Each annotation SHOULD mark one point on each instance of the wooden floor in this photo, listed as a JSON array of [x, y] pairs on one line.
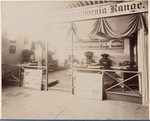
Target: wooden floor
[[20, 103], [64, 80]]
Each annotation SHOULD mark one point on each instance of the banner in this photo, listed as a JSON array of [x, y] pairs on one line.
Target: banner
[[100, 11], [97, 44]]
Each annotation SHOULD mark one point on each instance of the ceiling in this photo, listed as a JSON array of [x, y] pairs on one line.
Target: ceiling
[[59, 5]]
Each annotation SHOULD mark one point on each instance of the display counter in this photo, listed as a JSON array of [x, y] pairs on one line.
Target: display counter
[[107, 80], [100, 79]]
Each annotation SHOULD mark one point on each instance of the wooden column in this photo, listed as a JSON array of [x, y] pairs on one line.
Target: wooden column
[[20, 76], [132, 50], [46, 60], [72, 65], [143, 65]]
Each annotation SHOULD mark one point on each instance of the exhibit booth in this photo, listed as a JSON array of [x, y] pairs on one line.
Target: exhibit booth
[[109, 48], [93, 51]]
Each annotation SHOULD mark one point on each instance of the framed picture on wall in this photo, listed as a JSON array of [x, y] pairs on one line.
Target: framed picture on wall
[[26, 40], [12, 49]]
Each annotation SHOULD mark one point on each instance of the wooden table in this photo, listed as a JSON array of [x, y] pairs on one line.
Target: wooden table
[[20, 67]]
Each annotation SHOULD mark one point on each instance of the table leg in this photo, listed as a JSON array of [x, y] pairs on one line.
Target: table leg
[[20, 76]]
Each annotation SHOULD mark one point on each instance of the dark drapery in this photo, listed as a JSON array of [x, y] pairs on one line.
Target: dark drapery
[[117, 27]]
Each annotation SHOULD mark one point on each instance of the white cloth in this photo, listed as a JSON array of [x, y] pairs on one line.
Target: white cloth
[[38, 53]]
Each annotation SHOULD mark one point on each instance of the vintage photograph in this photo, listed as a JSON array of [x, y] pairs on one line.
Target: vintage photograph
[[75, 59], [12, 49]]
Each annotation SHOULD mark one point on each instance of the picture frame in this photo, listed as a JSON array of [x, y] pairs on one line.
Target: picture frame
[[26, 40], [12, 49]]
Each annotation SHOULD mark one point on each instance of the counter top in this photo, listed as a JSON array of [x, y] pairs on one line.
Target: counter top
[[24, 65], [103, 70]]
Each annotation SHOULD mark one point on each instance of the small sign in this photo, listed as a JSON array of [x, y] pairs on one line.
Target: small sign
[[33, 78], [112, 44], [89, 85]]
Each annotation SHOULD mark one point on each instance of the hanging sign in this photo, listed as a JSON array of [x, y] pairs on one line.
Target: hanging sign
[[100, 11], [33, 78], [97, 44]]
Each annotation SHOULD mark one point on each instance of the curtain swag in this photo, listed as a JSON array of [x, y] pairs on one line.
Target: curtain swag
[[130, 25], [114, 27]]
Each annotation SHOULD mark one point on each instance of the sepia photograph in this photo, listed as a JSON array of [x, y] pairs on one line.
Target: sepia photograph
[[75, 60], [12, 49]]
